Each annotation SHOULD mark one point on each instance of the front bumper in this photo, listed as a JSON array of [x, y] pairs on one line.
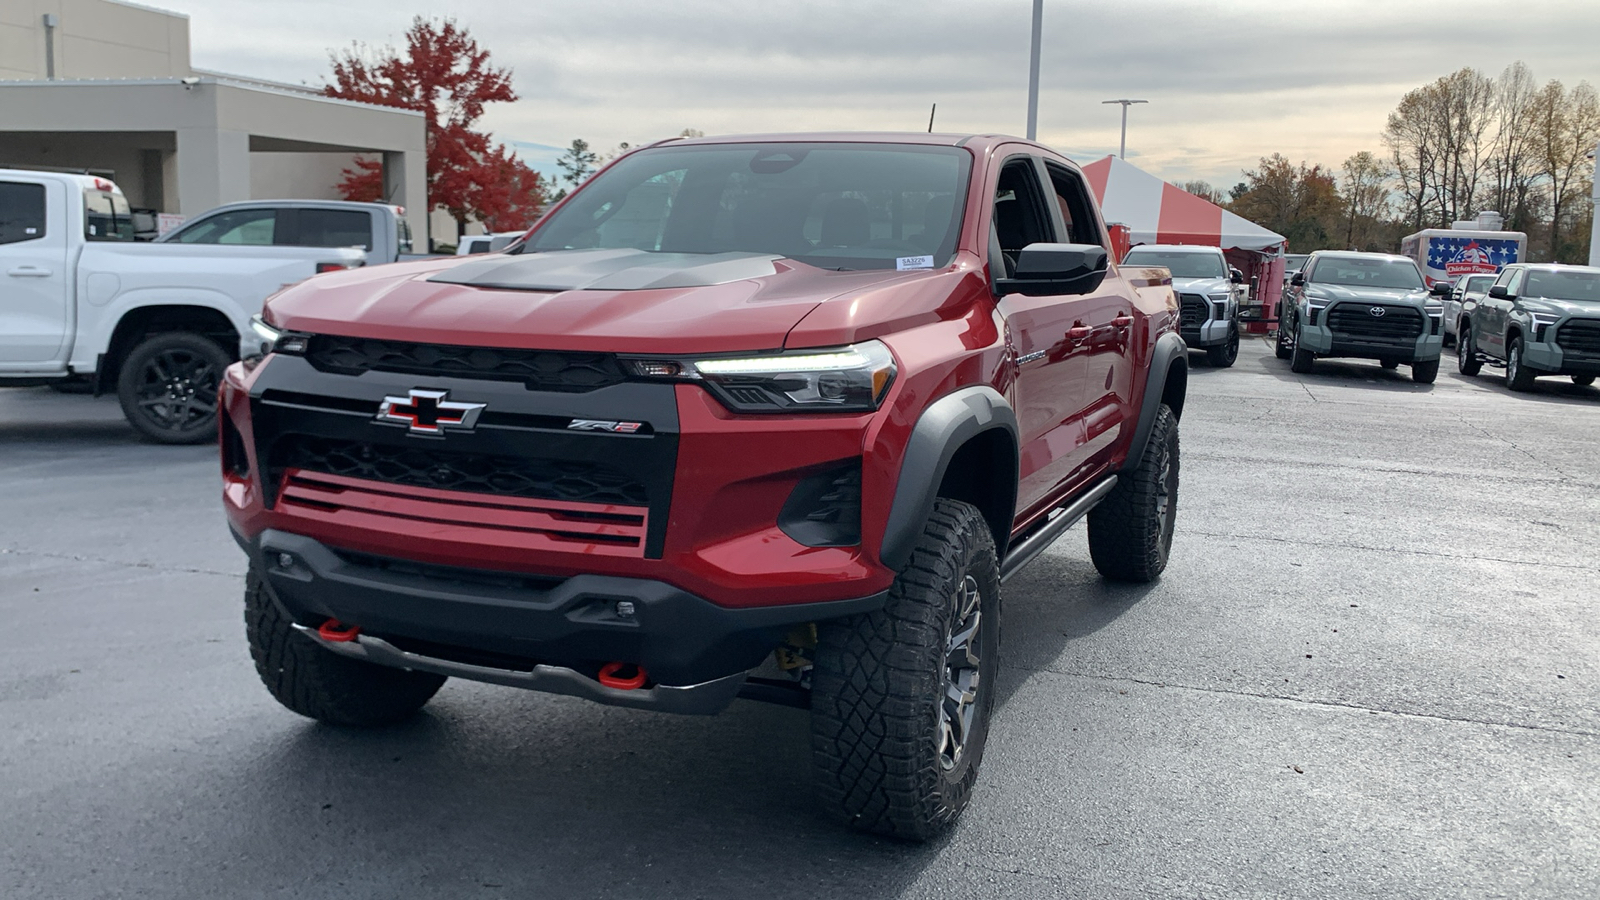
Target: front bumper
[[1210, 333], [1324, 341], [1551, 359], [515, 629]]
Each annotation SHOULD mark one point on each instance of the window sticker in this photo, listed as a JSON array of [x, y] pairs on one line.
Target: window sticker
[[913, 262]]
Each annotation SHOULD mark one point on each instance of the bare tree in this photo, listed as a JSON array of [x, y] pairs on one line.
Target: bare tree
[[1202, 189], [1512, 179], [1366, 198], [1564, 128], [1438, 137]]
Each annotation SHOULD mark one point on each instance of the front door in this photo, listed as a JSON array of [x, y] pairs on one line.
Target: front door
[[35, 282], [1492, 313], [1049, 337]]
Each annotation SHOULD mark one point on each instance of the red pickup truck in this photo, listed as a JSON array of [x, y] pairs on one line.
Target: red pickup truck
[[769, 417]]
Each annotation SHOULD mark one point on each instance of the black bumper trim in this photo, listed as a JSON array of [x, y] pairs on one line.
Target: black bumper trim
[[679, 638]]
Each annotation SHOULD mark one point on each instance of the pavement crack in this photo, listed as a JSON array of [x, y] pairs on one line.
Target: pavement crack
[[1310, 701], [1404, 550], [84, 558]]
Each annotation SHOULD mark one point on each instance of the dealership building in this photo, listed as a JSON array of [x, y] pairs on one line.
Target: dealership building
[[106, 87]]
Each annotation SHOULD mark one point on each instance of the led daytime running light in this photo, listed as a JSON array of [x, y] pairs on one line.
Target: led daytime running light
[[816, 362]]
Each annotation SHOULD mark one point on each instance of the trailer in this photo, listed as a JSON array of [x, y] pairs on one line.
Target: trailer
[[1465, 248]]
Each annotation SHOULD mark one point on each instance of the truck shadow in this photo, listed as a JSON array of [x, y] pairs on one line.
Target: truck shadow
[[554, 796], [1549, 389]]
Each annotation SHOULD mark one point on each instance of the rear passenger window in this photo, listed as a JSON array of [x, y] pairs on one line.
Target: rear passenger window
[[21, 212], [335, 228], [252, 227], [1073, 200]]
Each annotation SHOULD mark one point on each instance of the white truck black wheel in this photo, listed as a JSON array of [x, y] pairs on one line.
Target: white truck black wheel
[[168, 387]]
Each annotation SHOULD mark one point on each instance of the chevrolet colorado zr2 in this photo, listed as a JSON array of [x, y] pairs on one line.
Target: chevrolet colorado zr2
[[771, 417]]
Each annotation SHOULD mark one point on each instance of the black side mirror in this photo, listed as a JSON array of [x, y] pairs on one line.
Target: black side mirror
[[1298, 279], [1235, 276], [1499, 293], [1441, 289], [1045, 269]]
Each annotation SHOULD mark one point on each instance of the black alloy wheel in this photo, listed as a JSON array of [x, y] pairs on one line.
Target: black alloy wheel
[[168, 387], [1224, 355]]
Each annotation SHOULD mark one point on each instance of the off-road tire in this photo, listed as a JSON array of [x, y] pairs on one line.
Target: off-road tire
[[1130, 531], [1467, 361], [1302, 360], [1226, 354], [1583, 380], [168, 387], [880, 682], [319, 684], [1425, 372], [1518, 376]]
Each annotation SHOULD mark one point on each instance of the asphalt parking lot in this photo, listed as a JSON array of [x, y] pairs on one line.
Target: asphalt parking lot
[[1371, 670]]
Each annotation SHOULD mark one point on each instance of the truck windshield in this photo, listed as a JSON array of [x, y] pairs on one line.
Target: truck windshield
[[836, 206], [1400, 274], [106, 216], [1583, 286], [1183, 265]]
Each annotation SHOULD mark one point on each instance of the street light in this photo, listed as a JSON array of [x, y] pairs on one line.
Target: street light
[[1123, 153], [1033, 72]]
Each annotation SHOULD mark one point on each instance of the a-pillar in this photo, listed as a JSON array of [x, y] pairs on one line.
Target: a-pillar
[[405, 183], [213, 169]]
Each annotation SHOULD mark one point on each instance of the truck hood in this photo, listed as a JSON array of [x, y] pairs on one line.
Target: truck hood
[[1202, 285], [597, 300], [1563, 307], [1339, 292]]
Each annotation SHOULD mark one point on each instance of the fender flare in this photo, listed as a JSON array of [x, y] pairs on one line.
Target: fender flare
[[943, 428], [1169, 350]]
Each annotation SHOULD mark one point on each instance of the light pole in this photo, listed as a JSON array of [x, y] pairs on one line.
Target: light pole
[[1123, 153], [1033, 72]]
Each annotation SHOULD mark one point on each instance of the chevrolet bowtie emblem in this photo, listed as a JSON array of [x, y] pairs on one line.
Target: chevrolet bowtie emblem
[[429, 412]]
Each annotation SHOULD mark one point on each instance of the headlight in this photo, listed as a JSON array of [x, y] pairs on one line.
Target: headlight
[[849, 379], [1221, 298], [1314, 306], [1434, 308], [276, 340], [1542, 323]]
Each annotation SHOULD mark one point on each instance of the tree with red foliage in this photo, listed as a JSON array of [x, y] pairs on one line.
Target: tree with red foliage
[[446, 76]]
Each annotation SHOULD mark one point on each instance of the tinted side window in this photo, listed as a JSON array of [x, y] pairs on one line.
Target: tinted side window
[[254, 227], [21, 212], [335, 228], [1073, 200], [1515, 286]]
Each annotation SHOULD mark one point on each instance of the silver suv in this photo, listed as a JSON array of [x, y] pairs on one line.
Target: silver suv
[[1209, 293]]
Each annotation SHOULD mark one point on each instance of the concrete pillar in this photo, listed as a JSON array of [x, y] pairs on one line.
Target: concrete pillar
[[213, 169], [405, 183]]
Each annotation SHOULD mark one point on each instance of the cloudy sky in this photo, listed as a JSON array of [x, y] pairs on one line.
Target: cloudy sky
[[1228, 80]]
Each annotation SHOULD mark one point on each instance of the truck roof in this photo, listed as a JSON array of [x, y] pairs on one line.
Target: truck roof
[[1178, 248], [977, 142], [82, 180]]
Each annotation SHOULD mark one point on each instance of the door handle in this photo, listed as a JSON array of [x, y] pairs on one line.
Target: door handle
[[1122, 321], [1079, 332], [28, 272]]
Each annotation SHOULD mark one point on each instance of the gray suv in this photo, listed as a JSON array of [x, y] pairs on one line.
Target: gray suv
[[1364, 305], [1538, 319], [1209, 293]]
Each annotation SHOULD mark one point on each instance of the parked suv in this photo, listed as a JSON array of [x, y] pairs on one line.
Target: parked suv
[[1209, 293], [770, 417], [1538, 319], [1365, 305]]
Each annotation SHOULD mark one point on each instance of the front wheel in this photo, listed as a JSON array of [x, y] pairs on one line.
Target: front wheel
[[319, 684], [1583, 380], [1281, 349], [168, 387], [1518, 376], [1425, 372], [1224, 355], [1467, 361], [1130, 531], [901, 697], [1302, 360]]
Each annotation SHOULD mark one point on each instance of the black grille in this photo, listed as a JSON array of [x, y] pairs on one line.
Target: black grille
[[1355, 320], [576, 481], [1192, 311], [1580, 337], [544, 370]]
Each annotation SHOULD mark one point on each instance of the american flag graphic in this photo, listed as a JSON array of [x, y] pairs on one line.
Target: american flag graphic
[[1450, 257]]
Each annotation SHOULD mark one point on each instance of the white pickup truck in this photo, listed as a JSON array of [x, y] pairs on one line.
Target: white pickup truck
[[157, 323], [378, 228]]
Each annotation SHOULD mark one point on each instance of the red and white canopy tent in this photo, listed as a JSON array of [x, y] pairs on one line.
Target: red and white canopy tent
[[1155, 212]]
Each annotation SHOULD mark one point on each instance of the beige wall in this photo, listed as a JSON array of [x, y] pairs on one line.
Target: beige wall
[[93, 39], [297, 176]]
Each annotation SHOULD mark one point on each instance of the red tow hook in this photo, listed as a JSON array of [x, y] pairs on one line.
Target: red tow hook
[[337, 632], [611, 675]]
